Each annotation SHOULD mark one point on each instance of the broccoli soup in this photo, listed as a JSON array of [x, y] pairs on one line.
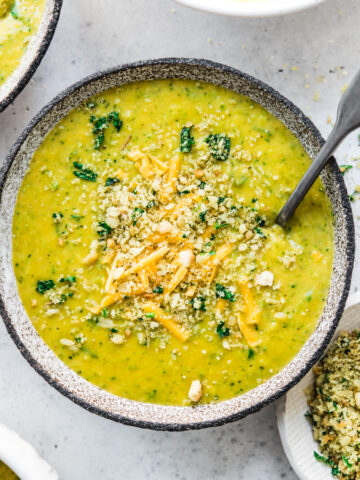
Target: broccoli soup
[[19, 20], [5, 472], [145, 248]]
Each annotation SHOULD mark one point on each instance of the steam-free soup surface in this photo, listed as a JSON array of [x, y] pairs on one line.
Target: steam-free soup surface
[[145, 248], [19, 21]]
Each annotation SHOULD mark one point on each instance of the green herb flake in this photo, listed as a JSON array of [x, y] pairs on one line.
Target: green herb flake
[[111, 181], [186, 140], [70, 279], [348, 464], [84, 173], [222, 331], [345, 168], [43, 285], [114, 118], [219, 145], [202, 216], [222, 292], [199, 303], [158, 289], [104, 229]]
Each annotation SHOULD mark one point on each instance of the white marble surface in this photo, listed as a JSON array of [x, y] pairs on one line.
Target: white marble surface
[[294, 54]]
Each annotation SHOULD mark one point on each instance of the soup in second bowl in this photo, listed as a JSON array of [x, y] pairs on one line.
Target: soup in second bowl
[[19, 21]]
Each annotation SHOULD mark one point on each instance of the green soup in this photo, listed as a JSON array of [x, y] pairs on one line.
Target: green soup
[[145, 248], [19, 21]]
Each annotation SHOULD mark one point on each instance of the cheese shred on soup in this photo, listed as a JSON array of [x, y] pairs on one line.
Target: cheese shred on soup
[[145, 248]]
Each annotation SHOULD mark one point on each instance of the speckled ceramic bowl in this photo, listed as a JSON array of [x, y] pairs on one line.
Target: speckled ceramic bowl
[[36, 50], [143, 414]]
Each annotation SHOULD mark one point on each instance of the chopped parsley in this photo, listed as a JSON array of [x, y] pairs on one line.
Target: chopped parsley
[[219, 145], [136, 214], [198, 303], [43, 285], [101, 124], [114, 118], [222, 292], [222, 331], [221, 225], [104, 229], [345, 168], [202, 216], [111, 181], [158, 289], [251, 353], [335, 469], [186, 140], [70, 279], [84, 173]]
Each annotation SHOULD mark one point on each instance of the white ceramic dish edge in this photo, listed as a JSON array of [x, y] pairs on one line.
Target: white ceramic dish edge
[[22, 458], [295, 430], [250, 8]]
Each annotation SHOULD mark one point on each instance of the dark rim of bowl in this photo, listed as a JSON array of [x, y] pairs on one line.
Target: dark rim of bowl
[[350, 248], [31, 69]]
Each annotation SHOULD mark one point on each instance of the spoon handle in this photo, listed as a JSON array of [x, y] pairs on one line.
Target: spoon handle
[[348, 118]]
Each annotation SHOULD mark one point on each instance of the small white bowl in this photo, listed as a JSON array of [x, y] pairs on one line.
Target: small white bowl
[[250, 8], [295, 430], [22, 458]]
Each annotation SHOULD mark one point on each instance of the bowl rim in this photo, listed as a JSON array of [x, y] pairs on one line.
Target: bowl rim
[[255, 8], [304, 367], [33, 64], [28, 465]]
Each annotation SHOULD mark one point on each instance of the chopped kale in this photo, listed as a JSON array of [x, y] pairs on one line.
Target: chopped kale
[[43, 285], [84, 173], [186, 140], [198, 303], [184, 192], [101, 124], [221, 225], [114, 118], [310, 417], [222, 331], [259, 232], [136, 214], [111, 181], [222, 292], [77, 217], [348, 464], [104, 229], [202, 185], [158, 289], [219, 145], [70, 279], [202, 216]]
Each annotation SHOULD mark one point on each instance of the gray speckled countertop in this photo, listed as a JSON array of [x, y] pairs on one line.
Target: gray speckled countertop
[[309, 57]]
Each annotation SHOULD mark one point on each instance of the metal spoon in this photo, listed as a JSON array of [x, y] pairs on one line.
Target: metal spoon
[[348, 119]]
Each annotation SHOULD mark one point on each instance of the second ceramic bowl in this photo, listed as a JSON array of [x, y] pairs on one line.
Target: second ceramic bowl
[[251, 8], [144, 414], [35, 52]]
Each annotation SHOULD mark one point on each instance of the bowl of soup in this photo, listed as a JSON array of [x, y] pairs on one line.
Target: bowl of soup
[[143, 273], [26, 29], [251, 8]]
